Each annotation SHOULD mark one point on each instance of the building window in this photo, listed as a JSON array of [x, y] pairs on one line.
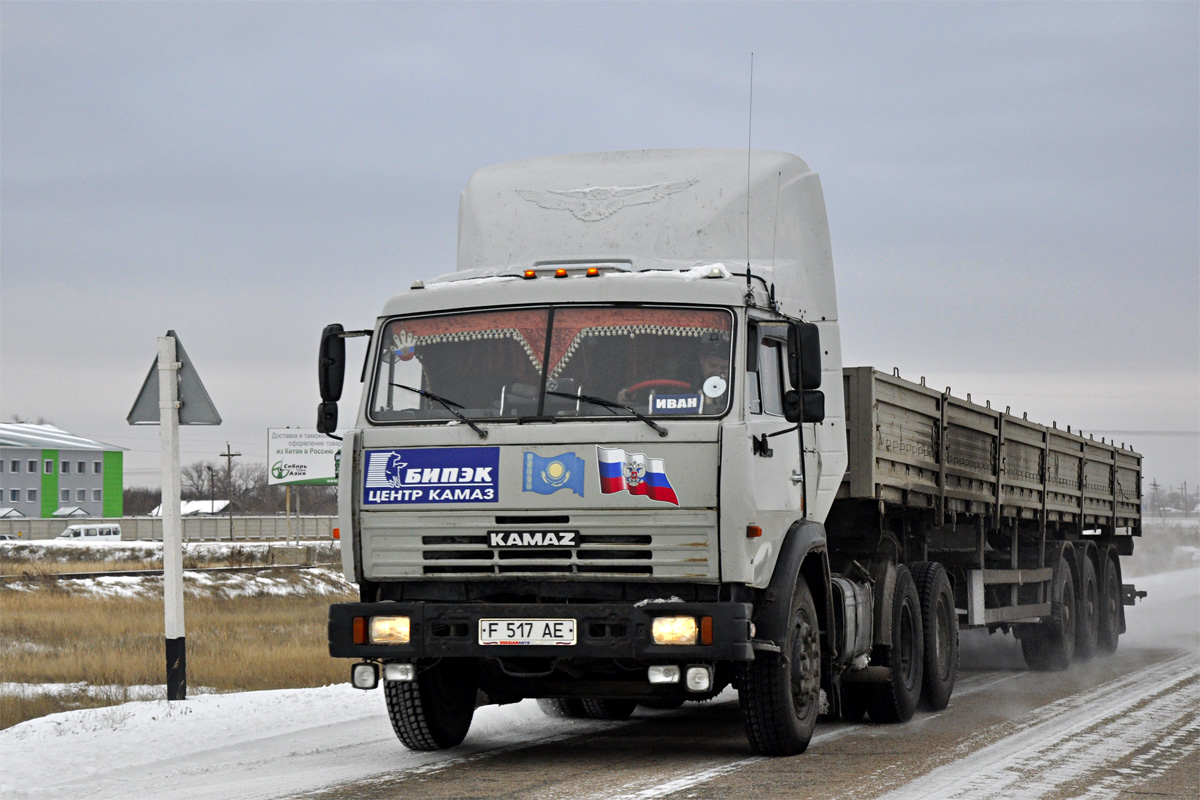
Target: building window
[[96, 467], [49, 466], [81, 467], [15, 466], [33, 466], [66, 468], [31, 495], [81, 495], [14, 495], [96, 496], [64, 495]]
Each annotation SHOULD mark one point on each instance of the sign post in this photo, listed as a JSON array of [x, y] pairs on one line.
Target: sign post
[[172, 378]]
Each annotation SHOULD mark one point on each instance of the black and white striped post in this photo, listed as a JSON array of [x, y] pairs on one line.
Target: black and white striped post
[[168, 407], [173, 395]]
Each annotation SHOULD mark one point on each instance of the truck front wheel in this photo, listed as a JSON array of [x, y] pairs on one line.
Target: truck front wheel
[[434, 711], [780, 694]]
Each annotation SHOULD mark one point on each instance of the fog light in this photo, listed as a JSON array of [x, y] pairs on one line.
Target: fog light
[[666, 673], [389, 630], [364, 675], [699, 678], [674, 630], [403, 673]]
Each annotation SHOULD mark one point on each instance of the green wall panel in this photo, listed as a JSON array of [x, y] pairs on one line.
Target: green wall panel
[[49, 483], [114, 484]]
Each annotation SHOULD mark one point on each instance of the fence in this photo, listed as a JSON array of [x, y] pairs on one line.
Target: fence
[[195, 528]]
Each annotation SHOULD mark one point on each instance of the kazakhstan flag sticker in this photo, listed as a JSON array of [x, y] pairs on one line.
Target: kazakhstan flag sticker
[[548, 475]]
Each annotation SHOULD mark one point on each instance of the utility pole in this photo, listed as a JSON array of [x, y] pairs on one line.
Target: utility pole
[[1154, 498], [229, 455], [212, 497]]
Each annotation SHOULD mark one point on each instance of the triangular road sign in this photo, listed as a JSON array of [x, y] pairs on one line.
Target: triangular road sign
[[195, 406]]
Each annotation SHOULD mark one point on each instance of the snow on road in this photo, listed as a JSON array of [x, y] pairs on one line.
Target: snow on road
[[283, 743]]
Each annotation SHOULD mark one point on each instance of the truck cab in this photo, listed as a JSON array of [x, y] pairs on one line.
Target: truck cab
[[591, 466]]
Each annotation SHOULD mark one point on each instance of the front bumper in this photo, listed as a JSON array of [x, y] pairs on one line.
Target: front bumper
[[603, 630]]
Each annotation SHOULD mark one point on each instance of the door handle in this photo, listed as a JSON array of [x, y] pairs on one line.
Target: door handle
[[797, 476]]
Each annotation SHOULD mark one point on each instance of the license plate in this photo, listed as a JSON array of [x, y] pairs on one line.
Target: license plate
[[527, 631]]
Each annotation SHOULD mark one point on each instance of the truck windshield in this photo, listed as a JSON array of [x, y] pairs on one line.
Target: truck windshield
[[657, 361]]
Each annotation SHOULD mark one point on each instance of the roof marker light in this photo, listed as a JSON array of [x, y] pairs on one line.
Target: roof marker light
[[560, 273], [593, 272], [530, 274]]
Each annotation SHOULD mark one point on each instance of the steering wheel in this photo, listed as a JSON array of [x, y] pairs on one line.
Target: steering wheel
[[658, 383]]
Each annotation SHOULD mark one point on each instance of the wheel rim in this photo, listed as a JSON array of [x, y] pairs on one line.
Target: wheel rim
[[908, 662], [941, 643], [806, 666]]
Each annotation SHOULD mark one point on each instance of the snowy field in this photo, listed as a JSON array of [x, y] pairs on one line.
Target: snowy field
[[285, 743]]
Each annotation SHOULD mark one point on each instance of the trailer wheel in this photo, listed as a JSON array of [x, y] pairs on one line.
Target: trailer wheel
[[940, 623], [1088, 618], [1109, 627], [1050, 646], [434, 711], [896, 700], [608, 709], [562, 707], [780, 695]]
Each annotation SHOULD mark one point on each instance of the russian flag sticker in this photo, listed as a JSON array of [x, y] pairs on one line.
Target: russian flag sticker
[[635, 473]]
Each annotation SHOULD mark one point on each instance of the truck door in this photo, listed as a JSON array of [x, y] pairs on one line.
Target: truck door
[[777, 478]]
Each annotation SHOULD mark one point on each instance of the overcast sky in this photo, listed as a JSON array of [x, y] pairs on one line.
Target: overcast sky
[[1013, 189]]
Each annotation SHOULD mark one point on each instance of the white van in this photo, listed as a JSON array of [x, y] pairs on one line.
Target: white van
[[92, 533]]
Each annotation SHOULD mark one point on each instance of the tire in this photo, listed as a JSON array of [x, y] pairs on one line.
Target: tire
[[940, 638], [780, 694], [1051, 646], [896, 700], [1108, 629], [434, 711], [608, 709], [1087, 619], [562, 707]]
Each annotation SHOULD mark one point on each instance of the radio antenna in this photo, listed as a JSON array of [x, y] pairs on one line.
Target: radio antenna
[[749, 142]]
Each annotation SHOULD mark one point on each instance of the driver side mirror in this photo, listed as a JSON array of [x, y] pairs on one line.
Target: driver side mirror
[[804, 356], [331, 375]]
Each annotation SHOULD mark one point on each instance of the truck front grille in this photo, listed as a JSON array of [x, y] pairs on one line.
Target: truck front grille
[[682, 544]]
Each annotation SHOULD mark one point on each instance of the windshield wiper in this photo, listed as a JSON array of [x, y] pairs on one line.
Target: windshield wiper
[[611, 406], [449, 405]]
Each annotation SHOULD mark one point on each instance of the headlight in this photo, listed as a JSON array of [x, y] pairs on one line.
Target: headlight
[[674, 630], [389, 630]]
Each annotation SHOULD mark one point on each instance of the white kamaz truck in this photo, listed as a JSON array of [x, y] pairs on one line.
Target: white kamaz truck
[[615, 459]]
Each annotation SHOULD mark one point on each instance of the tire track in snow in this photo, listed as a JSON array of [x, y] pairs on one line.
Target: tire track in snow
[[1150, 716], [640, 790]]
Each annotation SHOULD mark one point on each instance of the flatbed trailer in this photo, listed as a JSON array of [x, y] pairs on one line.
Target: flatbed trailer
[[1003, 503]]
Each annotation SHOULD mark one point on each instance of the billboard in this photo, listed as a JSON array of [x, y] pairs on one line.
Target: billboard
[[299, 456]]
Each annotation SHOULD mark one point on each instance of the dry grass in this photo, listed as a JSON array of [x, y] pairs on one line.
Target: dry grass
[[51, 635]]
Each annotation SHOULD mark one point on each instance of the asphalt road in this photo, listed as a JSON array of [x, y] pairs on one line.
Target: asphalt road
[[1123, 726]]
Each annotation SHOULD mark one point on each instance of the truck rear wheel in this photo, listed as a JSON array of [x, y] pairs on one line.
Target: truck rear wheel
[[940, 623], [434, 711], [608, 709], [1050, 646], [562, 707], [896, 700], [1087, 620], [780, 694], [1109, 627]]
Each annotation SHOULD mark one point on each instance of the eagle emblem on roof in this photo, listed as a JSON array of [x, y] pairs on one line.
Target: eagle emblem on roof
[[598, 202]]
